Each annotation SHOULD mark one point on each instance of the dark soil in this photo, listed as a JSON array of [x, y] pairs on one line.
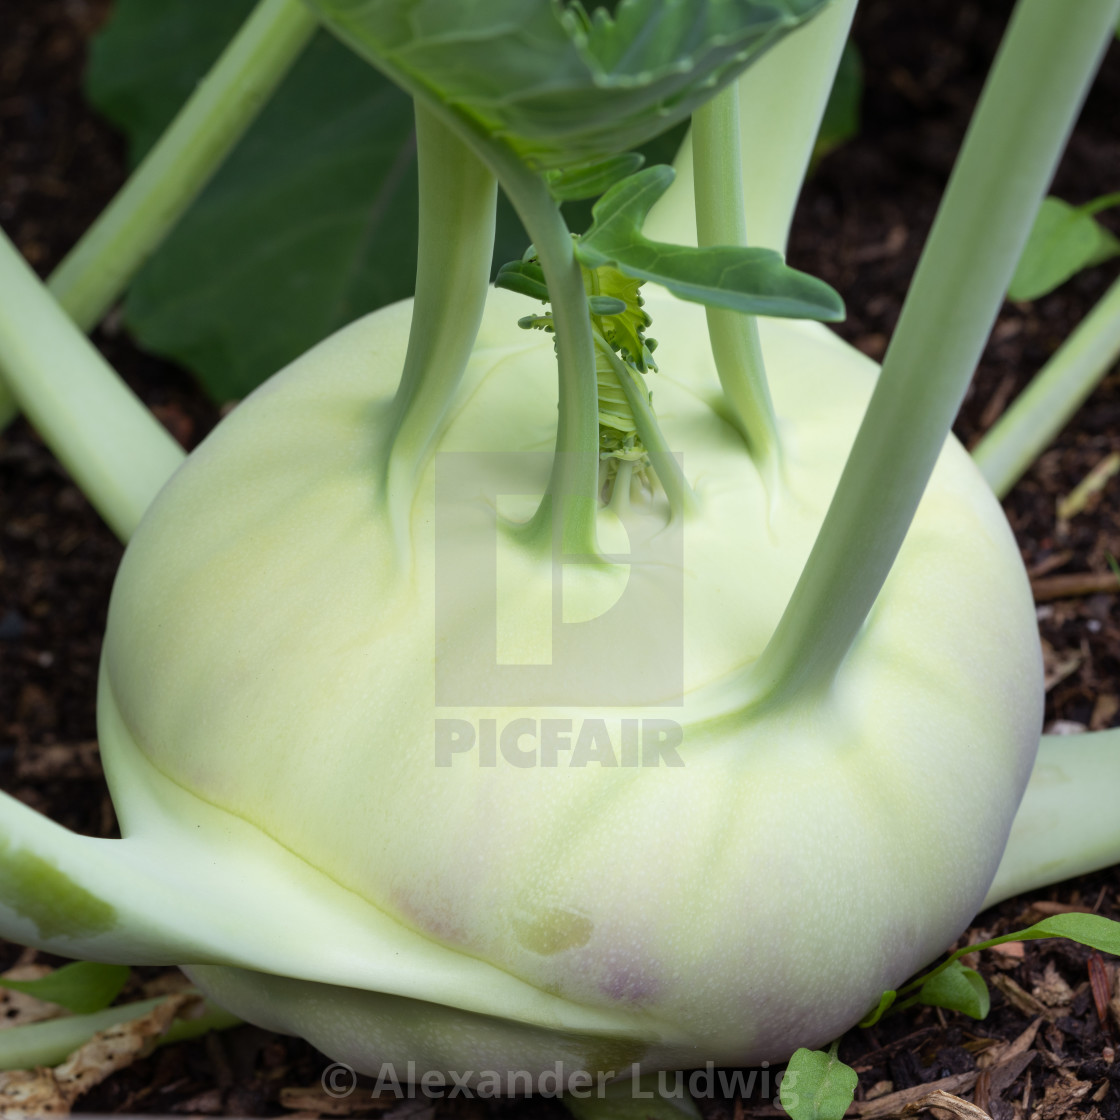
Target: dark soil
[[861, 225]]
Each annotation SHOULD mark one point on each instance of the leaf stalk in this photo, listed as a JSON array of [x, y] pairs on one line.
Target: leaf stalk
[[1030, 101], [98, 269], [458, 199], [1057, 391], [666, 465], [721, 220], [575, 468], [117, 452]]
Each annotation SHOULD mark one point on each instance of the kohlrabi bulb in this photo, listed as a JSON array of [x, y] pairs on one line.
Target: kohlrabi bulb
[[657, 876]]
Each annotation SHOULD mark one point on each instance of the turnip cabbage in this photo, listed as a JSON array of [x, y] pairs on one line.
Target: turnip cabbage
[[672, 726]]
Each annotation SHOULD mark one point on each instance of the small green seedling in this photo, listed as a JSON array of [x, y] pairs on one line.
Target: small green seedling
[[828, 1086]]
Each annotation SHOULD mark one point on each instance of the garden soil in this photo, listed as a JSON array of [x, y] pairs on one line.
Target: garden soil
[[1047, 1050]]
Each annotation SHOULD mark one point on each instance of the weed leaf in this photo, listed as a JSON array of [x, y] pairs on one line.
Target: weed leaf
[[957, 988], [817, 1085], [1063, 240], [886, 1001]]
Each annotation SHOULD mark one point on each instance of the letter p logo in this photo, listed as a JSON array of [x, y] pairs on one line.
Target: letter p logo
[[524, 626]]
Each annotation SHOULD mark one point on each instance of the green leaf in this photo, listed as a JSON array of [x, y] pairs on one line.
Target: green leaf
[[1093, 930], [957, 988], [631, 1098], [50, 1043], [1063, 240], [661, 149], [589, 180], [886, 1000], [82, 987], [135, 81], [524, 277], [841, 115], [756, 281], [606, 305], [817, 1085], [310, 223], [559, 86]]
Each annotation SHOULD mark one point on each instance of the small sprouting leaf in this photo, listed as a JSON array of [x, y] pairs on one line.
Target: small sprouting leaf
[[756, 281], [886, 1000], [957, 988], [626, 329], [82, 987], [559, 86], [589, 180], [605, 305], [524, 277], [1093, 930], [1063, 240], [817, 1085]]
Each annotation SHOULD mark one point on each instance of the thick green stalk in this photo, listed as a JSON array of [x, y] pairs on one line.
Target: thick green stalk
[[1067, 824], [175, 171], [116, 451], [51, 1042], [1053, 396], [574, 481], [782, 98], [721, 220], [1030, 101], [458, 198]]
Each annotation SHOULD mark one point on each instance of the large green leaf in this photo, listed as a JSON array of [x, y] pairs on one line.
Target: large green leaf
[[311, 222], [562, 87], [755, 281], [137, 79]]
